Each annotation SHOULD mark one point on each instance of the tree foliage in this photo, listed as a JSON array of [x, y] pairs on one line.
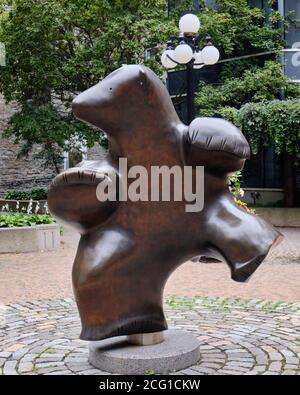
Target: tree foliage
[[255, 85], [53, 131], [235, 26], [239, 30], [56, 48], [250, 92]]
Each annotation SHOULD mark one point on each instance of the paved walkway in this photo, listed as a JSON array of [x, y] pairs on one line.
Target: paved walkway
[[47, 275], [237, 337]]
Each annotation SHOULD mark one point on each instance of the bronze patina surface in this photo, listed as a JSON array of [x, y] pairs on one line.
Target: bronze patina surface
[[129, 249]]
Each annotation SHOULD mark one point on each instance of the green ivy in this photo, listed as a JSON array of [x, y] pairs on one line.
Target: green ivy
[[12, 220], [274, 123]]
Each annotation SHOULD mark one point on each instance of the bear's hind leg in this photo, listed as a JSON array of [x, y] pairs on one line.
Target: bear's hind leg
[[115, 295], [243, 240]]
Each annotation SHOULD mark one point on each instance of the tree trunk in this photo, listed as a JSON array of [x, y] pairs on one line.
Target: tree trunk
[[289, 174]]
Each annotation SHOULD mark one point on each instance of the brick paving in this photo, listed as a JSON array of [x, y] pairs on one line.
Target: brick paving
[[47, 275], [249, 329], [237, 337]]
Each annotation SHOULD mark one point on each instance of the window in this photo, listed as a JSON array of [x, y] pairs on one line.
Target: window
[[256, 3], [176, 83], [292, 36], [263, 171], [75, 156]]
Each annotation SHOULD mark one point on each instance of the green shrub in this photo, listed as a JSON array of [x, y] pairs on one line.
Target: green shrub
[[35, 194], [19, 220]]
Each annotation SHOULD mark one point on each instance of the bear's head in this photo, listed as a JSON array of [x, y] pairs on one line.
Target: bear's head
[[130, 97]]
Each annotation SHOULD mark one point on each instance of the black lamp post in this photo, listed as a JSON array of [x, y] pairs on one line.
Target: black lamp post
[[185, 49]]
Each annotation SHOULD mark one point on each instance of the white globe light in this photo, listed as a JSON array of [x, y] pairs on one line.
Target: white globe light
[[198, 64], [210, 55], [189, 23], [166, 61], [183, 53]]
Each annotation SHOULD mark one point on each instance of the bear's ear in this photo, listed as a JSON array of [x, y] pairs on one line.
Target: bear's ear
[[144, 78], [145, 82]]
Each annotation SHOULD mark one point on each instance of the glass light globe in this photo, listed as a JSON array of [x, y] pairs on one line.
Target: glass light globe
[[183, 53], [189, 23], [210, 55], [167, 62], [198, 64]]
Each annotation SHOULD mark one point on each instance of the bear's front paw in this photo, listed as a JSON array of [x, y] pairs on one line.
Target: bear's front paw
[[72, 198]]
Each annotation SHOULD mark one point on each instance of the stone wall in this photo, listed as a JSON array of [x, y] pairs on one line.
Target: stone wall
[[96, 153], [19, 174]]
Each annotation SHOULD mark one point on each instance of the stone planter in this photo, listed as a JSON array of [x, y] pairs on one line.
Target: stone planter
[[29, 238], [285, 217], [23, 204]]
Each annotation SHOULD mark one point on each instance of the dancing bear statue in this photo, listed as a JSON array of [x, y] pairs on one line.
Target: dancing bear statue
[[128, 249]]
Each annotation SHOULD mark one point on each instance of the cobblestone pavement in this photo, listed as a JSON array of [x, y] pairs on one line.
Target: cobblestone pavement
[[47, 275], [289, 249], [236, 336]]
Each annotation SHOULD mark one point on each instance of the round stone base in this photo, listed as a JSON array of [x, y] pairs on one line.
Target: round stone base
[[178, 351]]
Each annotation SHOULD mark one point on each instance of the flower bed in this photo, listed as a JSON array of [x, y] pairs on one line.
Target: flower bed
[[24, 206], [20, 232], [19, 220], [34, 201]]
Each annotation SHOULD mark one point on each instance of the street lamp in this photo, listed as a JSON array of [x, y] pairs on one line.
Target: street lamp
[[185, 50]]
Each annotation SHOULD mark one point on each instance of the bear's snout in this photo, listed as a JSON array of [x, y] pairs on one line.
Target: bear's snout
[[77, 106]]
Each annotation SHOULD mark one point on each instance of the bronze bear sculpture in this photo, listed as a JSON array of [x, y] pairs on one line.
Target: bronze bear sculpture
[[127, 249]]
